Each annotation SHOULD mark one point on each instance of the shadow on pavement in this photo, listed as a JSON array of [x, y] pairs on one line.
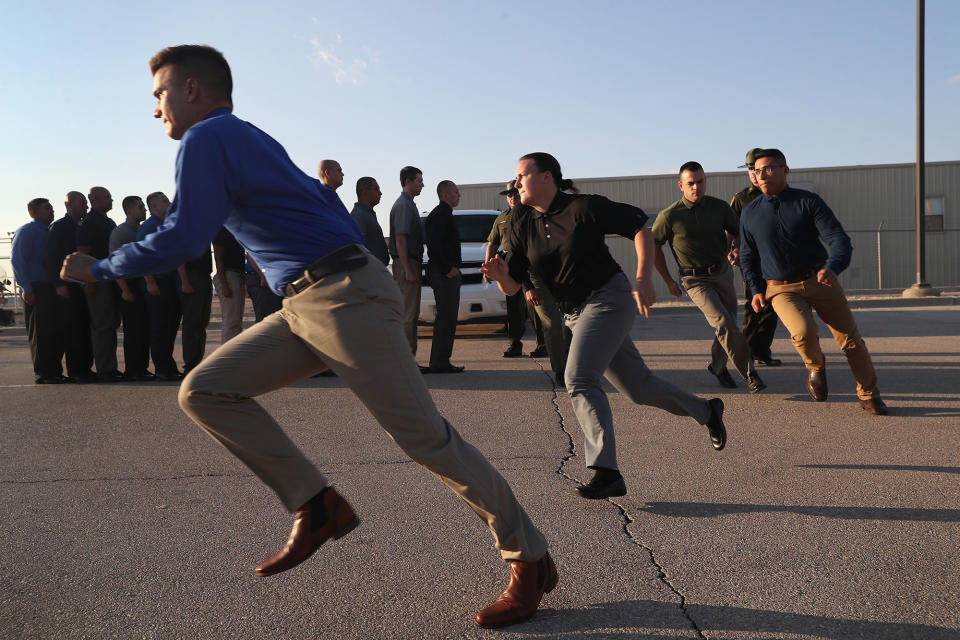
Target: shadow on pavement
[[596, 622], [713, 510], [882, 467]]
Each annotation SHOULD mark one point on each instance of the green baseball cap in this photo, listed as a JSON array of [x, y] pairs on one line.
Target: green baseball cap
[[511, 189], [750, 158]]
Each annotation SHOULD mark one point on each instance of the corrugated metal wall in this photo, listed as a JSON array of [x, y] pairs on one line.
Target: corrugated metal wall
[[861, 196]]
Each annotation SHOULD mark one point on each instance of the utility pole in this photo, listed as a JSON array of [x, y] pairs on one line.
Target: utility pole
[[920, 287]]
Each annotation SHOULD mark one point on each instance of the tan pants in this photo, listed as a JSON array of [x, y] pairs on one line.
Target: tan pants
[[410, 291], [795, 303], [716, 298], [351, 322]]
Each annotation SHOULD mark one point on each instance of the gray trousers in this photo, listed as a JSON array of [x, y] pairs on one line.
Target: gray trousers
[[446, 296], [715, 296], [351, 322], [104, 320], [601, 347]]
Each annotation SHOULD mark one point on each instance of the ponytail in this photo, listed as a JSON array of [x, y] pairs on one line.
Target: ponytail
[[546, 162]]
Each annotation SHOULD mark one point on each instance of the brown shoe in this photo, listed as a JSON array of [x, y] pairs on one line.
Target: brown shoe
[[874, 406], [817, 385], [325, 516], [528, 582]]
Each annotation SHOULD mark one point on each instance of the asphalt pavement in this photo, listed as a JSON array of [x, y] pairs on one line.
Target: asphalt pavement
[[122, 519]]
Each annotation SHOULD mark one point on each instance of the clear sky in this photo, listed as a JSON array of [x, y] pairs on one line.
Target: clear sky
[[462, 89]]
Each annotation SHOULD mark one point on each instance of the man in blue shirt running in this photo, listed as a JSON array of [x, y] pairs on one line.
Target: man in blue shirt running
[[782, 234], [342, 311]]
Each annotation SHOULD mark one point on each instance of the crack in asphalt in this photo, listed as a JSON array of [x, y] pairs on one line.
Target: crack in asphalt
[[627, 520]]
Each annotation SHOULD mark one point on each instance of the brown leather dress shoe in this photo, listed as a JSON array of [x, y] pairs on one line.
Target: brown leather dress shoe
[[817, 385], [874, 406], [528, 582], [325, 516]]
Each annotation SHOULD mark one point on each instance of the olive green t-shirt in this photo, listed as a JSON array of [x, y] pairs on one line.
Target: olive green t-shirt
[[500, 233], [695, 231], [743, 197]]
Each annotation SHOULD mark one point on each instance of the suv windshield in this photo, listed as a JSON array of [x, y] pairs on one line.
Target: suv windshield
[[474, 228]]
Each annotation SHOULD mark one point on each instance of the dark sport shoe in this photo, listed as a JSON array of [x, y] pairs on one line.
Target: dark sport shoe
[[723, 378], [718, 432], [606, 483]]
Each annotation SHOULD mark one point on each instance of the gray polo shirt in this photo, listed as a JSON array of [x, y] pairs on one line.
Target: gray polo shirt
[[404, 218], [125, 232]]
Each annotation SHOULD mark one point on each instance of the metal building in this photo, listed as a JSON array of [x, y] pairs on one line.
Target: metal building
[[875, 204]]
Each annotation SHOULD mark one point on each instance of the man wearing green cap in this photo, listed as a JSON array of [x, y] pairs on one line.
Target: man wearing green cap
[[758, 328]]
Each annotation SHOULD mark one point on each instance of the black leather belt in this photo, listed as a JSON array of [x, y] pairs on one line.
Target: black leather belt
[[800, 277], [703, 271], [351, 256]]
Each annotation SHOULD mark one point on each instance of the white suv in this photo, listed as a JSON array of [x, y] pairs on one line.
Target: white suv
[[478, 299]]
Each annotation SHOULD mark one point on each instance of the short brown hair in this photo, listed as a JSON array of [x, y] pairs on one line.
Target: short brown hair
[[153, 198], [409, 173], [364, 183], [35, 204], [199, 61]]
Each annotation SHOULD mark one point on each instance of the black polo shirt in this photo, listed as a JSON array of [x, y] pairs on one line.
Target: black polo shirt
[[566, 244], [234, 257], [61, 241], [94, 231]]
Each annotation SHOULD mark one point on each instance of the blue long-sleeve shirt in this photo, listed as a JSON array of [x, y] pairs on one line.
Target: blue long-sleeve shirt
[[27, 254], [782, 236], [230, 173]]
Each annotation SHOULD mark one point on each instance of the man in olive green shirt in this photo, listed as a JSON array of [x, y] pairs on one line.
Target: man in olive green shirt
[[700, 230], [758, 328]]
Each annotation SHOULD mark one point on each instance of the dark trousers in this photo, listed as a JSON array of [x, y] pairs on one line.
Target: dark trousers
[[136, 328], [164, 312], [73, 323], [104, 320], [196, 316], [264, 300], [46, 345], [446, 296], [516, 318], [758, 328]]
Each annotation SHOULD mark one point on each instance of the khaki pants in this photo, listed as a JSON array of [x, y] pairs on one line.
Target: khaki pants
[[351, 322], [410, 291], [795, 303], [231, 309], [716, 298]]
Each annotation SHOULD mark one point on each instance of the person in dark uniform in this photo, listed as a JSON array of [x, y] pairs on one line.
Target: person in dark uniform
[[368, 196], [93, 239], [701, 230], [758, 327], [73, 319], [133, 298], [264, 300], [561, 236], [443, 274], [196, 298], [163, 300], [39, 296]]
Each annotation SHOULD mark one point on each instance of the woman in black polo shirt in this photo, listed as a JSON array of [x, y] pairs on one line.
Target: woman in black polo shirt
[[561, 236]]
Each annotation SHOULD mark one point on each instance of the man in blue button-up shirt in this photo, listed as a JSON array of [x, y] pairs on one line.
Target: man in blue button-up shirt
[[39, 294], [345, 314], [786, 265]]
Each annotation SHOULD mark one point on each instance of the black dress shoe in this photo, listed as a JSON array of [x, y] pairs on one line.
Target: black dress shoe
[[513, 352], [169, 376], [874, 406], [817, 385], [723, 378], [768, 361], [83, 378], [424, 369], [539, 352], [755, 384], [326, 373], [448, 368], [110, 376], [140, 376], [606, 483], [58, 379], [718, 432]]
